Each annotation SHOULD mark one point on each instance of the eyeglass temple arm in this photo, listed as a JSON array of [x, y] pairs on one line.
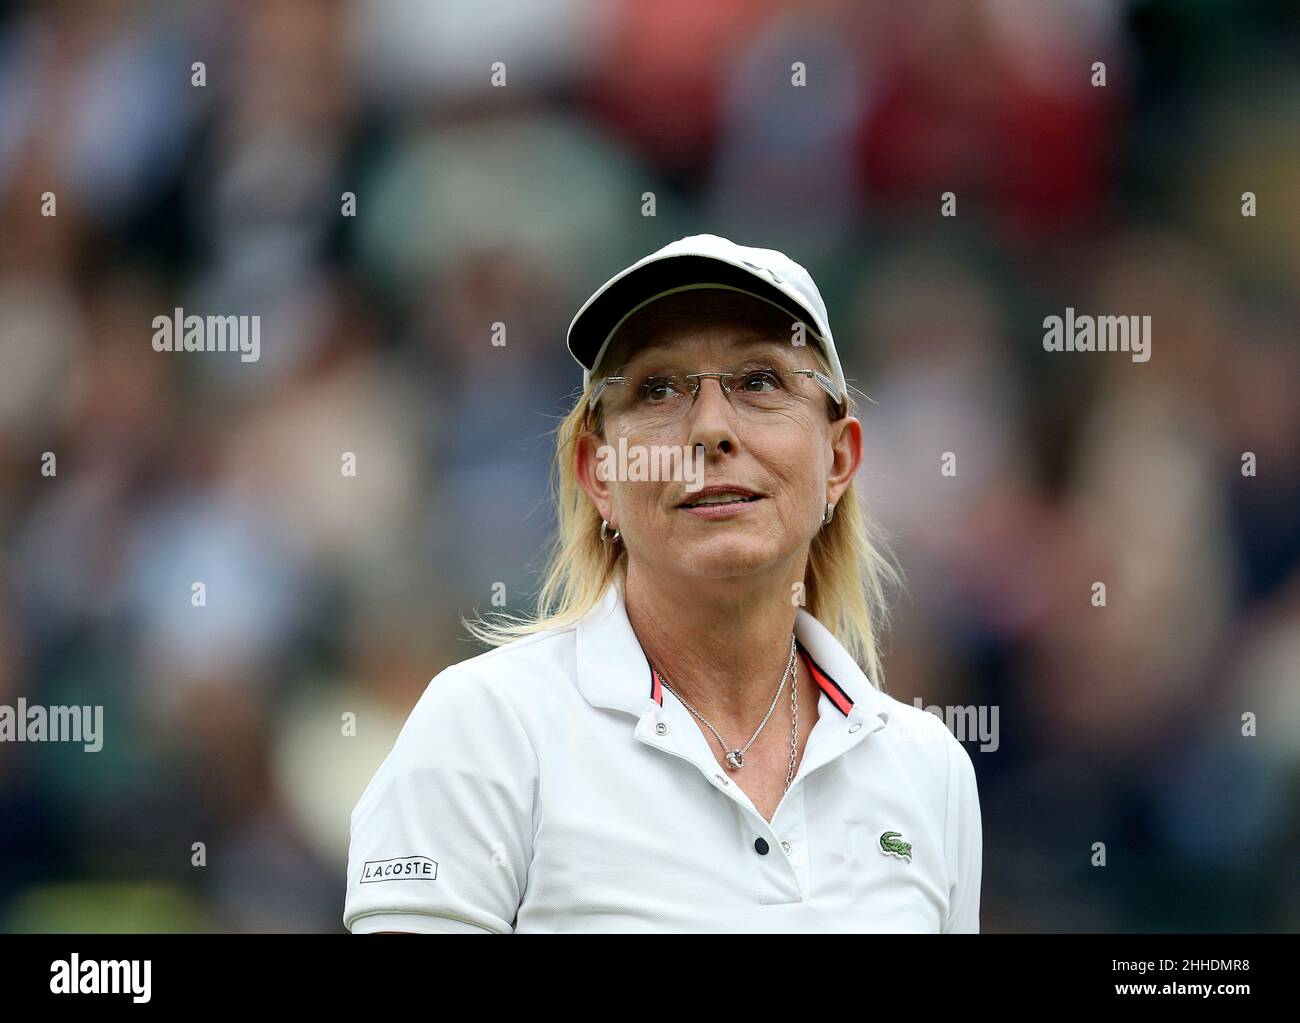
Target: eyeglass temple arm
[[599, 389], [827, 384]]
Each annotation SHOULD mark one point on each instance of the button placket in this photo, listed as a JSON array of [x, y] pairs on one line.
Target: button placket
[[654, 730], [793, 827], [780, 875]]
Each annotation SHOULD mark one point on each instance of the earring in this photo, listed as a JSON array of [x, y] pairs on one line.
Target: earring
[[607, 536], [828, 514]]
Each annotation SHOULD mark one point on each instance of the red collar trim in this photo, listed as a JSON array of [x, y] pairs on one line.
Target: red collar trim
[[828, 685]]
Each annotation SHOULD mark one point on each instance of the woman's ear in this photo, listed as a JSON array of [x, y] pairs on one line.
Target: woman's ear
[[846, 456], [590, 467]]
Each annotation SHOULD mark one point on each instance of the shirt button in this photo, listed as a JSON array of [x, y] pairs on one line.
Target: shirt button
[[760, 846], [661, 728], [786, 846]]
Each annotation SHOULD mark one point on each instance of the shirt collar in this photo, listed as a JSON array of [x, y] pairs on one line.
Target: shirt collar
[[613, 671]]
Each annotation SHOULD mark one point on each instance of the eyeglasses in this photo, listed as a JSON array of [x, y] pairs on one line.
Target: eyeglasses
[[657, 400]]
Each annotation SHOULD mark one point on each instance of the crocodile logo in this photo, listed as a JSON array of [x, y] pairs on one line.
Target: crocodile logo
[[891, 843]]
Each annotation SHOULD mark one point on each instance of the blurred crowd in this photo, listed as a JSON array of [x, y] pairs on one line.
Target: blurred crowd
[[200, 155]]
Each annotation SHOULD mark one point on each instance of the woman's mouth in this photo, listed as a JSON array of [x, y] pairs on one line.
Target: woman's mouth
[[720, 503]]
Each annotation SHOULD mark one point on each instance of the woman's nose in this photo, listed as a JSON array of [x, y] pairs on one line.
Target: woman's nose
[[710, 416], [709, 389]]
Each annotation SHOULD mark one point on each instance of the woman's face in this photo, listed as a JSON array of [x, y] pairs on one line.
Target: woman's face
[[791, 455]]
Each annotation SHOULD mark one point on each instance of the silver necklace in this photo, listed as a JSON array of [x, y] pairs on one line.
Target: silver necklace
[[736, 757]]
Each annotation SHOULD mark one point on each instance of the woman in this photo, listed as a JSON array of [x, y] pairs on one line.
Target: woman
[[683, 738]]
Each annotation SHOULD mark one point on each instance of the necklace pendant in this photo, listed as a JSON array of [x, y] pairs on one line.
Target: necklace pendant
[[735, 759]]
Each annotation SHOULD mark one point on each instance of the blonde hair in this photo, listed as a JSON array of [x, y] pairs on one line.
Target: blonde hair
[[845, 582]]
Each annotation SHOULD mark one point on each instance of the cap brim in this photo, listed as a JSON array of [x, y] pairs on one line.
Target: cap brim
[[592, 328]]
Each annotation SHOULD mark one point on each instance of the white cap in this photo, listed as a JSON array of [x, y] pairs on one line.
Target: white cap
[[701, 261]]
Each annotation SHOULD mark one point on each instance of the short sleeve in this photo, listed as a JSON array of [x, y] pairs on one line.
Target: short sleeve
[[963, 843], [442, 837]]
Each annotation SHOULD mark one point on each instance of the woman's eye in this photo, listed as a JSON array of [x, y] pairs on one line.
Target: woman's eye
[[761, 380], [657, 389]]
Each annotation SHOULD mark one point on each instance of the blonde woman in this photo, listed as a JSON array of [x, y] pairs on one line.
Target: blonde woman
[[689, 734]]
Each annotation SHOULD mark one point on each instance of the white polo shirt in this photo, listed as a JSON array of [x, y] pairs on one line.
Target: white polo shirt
[[550, 785]]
